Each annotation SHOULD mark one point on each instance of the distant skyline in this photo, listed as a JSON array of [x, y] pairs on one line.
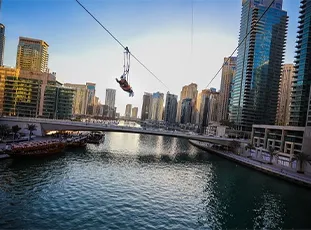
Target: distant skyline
[[160, 36]]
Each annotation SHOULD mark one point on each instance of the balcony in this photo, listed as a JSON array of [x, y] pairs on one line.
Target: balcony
[[300, 31], [301, 21]]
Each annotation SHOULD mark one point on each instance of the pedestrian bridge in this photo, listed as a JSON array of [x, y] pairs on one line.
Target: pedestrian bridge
[[46, 125]]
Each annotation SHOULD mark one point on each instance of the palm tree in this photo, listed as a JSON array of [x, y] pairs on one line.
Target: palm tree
[[249, 146], [4, 130], [227, 123], [302, 158], [15, 130], [234, 145], [31, 128], [272, 152]]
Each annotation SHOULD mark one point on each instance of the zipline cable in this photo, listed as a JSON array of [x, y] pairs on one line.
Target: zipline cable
[[191, 26], [120, 42], [252, 28]]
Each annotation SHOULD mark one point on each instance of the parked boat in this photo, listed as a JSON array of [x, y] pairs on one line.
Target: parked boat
[[35, 148], [76, 142], [95, 137]]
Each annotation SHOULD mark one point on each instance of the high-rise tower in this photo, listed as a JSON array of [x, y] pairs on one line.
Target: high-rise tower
[[146, 107], [170, 108], [259, 61], [110, 98], [128, 111], [2, 42], [228, 71], [302, 77], [285, 91], [157, 106], [188, 91], [32, 55]]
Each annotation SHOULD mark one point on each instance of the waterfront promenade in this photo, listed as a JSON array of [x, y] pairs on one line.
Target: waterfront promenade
[[301, 179]]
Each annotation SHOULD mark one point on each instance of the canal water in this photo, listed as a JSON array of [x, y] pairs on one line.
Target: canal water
[[136, 181]]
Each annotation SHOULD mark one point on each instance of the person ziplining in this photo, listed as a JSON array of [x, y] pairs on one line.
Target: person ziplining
[[124, 79]]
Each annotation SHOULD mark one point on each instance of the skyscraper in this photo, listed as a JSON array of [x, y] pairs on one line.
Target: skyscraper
[[110, 98], [2, 42], [5, 73], [58, 101], [204, 107], [128, 111], [170, 108], [146, 107], [186, 110], [157, 106], [302, 77], [228, 72], [213, 106], [32, 55], [90, 97], [188, 91], [259, 61], [285, 95], [134, 112], [80, 98]]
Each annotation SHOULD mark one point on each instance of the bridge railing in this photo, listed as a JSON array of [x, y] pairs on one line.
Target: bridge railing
[[57, 121], [118, 128]]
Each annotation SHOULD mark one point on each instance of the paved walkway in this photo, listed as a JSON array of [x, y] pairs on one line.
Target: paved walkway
[[301, 179]]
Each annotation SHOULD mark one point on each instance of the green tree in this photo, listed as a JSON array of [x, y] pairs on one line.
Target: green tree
[[4, 130], [234, 146], [31, 128], [249, 147], [302, 158], [15, 130], [272, 152], [228, 123]]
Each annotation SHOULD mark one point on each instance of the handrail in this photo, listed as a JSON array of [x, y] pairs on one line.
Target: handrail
[[117, 128]]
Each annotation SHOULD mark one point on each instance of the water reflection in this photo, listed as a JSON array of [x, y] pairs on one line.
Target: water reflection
[[141, 181], [268, 213], [159, 147]]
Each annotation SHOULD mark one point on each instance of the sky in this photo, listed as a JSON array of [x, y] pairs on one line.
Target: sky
[[157, 32]]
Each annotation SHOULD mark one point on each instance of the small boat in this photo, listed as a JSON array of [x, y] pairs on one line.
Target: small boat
[[95, 138], [35, 149], [76, 142]]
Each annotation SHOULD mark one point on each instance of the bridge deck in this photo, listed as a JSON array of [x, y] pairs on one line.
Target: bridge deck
[[58, 125]]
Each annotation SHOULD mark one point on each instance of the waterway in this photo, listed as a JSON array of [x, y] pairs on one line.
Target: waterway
[[134, 181]]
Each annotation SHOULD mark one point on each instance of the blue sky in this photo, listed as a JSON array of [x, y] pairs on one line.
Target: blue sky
[[158, 32]]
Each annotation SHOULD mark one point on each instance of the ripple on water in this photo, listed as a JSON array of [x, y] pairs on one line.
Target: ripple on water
[[152, 183]]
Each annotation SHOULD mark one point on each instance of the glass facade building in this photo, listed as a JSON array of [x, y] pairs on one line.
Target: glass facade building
[[186, 110], [58, 101], [228, 71], [259, 62], [21, 97], [302, 77], [2, 43], [90, 98], [32, 55], [146, 107], [157, 106], [170, 108]]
